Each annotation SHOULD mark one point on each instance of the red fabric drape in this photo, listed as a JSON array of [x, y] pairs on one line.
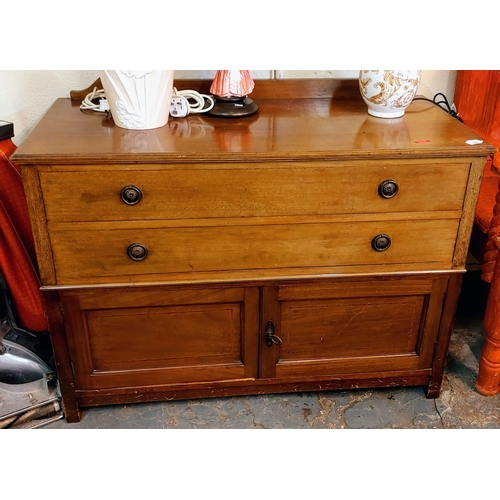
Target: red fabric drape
[[17, 250], [7, 147]]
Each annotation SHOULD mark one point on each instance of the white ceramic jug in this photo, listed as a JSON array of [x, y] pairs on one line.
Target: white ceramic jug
[[138, 99]]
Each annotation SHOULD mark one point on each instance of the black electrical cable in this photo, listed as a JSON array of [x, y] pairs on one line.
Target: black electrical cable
[[444, 104]]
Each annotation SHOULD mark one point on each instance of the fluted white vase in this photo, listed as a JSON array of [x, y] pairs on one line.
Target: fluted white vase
[[138, 99], [388, 92]]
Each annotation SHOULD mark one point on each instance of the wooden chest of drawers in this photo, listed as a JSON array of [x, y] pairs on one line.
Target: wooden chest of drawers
[[309, 247]]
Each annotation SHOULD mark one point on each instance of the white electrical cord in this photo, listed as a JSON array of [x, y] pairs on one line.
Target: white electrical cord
[[199, 101], [100, 107], [181, 103]]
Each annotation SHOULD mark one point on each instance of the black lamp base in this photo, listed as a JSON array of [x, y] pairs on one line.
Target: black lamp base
[[233, 107]]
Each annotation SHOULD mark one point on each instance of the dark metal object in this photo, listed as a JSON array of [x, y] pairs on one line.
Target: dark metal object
[[233, 107], [38, 343], [20, 364], [388, 188], [137, 251], [381, 242], [131, 195], [27, 371], [271, 337], [6, 130]]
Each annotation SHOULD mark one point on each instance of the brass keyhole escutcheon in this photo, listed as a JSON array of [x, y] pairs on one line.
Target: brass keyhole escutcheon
[[270, 336]]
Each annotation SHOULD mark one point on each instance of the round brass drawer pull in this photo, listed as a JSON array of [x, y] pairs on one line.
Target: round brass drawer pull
[[388, 188], [381, 242], [131, 195], [137, 251]]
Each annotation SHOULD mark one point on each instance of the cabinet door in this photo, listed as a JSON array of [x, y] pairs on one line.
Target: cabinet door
[[131, 337], [350, 326]]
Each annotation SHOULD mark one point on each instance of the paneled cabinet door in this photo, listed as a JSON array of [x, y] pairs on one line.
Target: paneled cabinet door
[[132, 337], [350, 326]]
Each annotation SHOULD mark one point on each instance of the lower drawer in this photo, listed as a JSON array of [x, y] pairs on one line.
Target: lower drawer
[[103, 254]]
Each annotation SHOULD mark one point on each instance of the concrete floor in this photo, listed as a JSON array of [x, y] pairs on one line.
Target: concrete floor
[[458, 407]]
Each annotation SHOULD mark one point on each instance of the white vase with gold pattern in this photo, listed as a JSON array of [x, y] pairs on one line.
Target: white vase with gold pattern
[[388, 92]]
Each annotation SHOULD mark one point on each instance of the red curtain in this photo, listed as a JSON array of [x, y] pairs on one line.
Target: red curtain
[[17, 250]]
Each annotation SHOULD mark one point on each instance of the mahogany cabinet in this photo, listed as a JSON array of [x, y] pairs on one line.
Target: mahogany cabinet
[[308, 247]]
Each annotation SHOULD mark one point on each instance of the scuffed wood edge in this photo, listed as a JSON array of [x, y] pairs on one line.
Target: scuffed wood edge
[[38, 218], [468, 211], [62, 357], [444, 335]]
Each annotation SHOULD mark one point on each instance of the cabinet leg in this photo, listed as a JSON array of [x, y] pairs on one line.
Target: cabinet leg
[[61, 357], [444, 334], [71, 412], [433, 390]]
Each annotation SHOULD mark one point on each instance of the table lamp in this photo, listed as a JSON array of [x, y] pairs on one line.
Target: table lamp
[[230, 89]]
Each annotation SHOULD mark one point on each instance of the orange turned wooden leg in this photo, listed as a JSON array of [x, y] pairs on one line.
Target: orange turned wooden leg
[[488, 379]]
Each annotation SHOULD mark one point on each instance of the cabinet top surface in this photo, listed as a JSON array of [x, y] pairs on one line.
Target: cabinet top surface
[[285, 128]]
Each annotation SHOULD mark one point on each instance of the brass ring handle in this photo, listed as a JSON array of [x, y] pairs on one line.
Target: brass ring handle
[[270, 336], [275, 340], [137, 251], [131, 195], [388, 188], [381, 242]]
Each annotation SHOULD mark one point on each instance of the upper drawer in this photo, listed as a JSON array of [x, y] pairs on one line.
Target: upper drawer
[[252, 190]]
